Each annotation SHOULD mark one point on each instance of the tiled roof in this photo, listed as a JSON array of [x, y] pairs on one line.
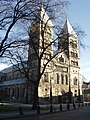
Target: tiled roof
[[13, 82]]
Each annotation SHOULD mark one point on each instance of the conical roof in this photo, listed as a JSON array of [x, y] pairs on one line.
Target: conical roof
[[68, 29], [44, 16]]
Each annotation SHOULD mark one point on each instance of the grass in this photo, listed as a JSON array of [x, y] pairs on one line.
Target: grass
[[12, 108], [8, 108]]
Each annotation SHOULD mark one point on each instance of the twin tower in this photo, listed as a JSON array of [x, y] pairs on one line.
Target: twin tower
[[59, 69]]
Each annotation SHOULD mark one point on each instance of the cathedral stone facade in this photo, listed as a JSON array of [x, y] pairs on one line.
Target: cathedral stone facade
[[62, 73]]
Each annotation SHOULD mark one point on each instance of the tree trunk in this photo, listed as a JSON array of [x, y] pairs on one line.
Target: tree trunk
[[27, 85], [35, 96]]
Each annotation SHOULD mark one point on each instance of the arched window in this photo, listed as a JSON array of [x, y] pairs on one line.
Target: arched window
[[61, 59], [66, 78], [62, 79], [57, 78], [46, 77], [75, 81]]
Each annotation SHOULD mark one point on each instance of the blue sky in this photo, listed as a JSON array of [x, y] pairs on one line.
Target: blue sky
[[79, 14]]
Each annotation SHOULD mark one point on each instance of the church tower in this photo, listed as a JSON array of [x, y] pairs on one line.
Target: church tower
[[40, 49], [41, 35], [65, 70], [69, 42]]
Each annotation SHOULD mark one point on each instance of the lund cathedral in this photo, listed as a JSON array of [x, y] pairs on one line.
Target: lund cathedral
[[62, 73]]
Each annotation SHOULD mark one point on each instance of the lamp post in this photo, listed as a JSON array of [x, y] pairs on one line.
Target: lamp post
[[51, 107], [50, 92], [69, 92], [79, 94], [79, 100], [69, 96]]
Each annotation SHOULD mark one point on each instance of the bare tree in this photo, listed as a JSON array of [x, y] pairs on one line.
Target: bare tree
[[12, 13], [24, 13], [41, 39]]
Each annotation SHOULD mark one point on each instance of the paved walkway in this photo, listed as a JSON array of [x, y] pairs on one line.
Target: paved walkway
[[23, 113]]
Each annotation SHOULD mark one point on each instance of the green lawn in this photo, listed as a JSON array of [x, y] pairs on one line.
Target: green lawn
[[7, 107], [12, 108]]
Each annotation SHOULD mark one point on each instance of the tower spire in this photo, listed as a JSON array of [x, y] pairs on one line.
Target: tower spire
[[68, 29]]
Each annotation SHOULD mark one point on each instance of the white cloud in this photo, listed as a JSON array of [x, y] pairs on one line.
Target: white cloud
[[3, 66]]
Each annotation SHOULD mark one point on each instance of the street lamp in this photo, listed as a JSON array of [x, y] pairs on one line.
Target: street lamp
[[51, 107], [79, 94], [69, 97], [50, 92], [69, 93], [79, 99]]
